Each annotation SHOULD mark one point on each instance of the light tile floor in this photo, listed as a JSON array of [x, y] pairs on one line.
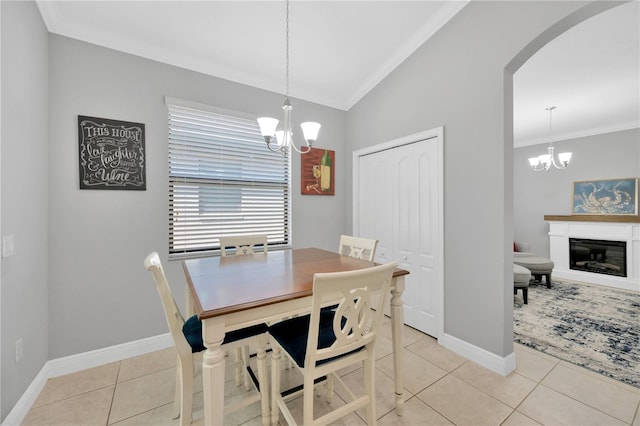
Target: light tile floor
[[441, 388]]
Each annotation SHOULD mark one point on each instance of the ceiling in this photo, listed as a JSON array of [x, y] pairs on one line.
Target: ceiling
[[339, 50]]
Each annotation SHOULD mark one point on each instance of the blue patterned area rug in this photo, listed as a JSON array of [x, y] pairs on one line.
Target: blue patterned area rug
[[592, 326]]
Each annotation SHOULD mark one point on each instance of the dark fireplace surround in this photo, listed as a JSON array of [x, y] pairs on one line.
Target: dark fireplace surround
[[598, 256]]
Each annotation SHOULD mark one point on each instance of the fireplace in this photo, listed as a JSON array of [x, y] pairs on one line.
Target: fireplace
[[601, 229], [598, 256]]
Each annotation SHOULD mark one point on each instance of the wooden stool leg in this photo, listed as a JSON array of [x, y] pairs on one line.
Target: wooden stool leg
[[548, 278], [525, 292]]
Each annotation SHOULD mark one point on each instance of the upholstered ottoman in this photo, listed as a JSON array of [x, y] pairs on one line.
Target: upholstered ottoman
[[521, 278], [538, 266]]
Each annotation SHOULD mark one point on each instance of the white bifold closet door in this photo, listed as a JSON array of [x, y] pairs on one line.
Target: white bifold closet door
[[398, 204]]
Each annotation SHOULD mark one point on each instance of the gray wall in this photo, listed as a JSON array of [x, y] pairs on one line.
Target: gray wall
[[100, 293], [77, 282], [606, 156], [24, 196], [455, 80]]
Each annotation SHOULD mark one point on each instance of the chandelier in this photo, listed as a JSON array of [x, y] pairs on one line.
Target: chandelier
[[544, 161], [284, 137]]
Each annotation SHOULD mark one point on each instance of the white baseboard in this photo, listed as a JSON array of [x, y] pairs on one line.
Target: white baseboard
[[22, 407], [78, 362], [501, 365], [73, 363]]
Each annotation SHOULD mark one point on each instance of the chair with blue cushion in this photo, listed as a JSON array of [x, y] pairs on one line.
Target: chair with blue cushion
[[323, 342], [358, 248], [241, 245], [187, 337]]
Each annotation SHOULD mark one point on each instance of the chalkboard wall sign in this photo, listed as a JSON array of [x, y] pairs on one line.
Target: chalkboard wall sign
[[111, 154]]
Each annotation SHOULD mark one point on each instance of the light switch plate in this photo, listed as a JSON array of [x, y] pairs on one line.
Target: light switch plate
[[19, 349], [7, 246]]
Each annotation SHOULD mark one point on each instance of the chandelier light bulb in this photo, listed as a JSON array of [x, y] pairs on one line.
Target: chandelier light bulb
[[310, 130], [564, 158], [268, 126]]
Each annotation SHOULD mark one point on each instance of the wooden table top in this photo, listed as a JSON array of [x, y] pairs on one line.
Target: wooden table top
[[222, 285]]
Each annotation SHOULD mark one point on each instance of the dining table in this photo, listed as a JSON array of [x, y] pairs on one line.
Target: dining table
[[233, 292]]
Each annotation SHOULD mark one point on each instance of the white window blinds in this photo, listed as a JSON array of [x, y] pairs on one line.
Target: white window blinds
[[223, 181]]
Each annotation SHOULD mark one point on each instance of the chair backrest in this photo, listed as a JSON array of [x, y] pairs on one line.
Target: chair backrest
[[355, 324], [360, 248], [244, 244], [174, 318]]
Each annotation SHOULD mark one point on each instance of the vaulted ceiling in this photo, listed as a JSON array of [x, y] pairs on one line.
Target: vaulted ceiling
[[339, 50]]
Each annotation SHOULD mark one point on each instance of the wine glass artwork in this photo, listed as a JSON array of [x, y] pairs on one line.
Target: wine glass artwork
[[317, 173]]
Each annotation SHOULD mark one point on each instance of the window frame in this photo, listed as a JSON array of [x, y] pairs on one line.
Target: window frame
[[214, 250]]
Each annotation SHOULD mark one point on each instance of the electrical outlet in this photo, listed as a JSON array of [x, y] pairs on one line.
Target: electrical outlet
[[19, 349], [7, 246]]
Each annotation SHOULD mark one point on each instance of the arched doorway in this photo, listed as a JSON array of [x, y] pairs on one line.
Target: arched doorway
[[529, 51]]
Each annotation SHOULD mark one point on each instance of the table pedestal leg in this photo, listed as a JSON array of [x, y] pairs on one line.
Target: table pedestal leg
[[213, 371], [263, 376], [397, 323], [275, 383]]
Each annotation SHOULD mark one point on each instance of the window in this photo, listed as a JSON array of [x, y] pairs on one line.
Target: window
[[222, 181]]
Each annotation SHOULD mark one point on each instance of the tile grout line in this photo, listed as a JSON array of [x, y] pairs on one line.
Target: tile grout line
[[574, 399], [513, 409], [538, 384], [57, 401], [637, 415], [113, 395], [427, 404]]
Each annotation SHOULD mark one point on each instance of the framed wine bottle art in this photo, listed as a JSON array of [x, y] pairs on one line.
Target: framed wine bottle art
[[317, 172]]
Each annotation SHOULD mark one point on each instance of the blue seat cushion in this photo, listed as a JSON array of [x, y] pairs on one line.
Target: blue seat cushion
[[328, 309], [292, 335], [192, 330]]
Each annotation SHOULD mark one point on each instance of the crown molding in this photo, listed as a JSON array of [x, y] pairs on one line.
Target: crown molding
[[579, 134], [439, 19]]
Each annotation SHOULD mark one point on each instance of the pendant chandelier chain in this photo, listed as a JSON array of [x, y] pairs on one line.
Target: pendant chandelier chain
[[550, 109], [282, 140], [287, 50]]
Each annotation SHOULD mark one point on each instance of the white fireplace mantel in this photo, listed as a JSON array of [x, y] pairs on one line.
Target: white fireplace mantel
[[611, 228]]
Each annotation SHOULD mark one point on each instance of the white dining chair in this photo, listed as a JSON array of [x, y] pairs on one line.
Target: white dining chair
[[187, 338], [359, 248], [321, 343], [241, 245]]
